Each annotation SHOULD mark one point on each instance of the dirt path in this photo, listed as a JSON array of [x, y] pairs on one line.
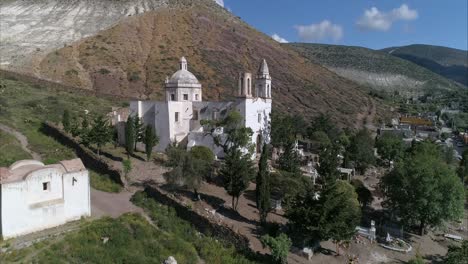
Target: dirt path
[[112, 204], [22, 139]]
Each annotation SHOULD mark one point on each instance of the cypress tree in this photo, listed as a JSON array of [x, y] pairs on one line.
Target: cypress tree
[[130, 136], [139, 131], [263, 186], [151, 139]]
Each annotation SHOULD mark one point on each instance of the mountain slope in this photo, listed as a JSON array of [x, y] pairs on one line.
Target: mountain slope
[[374, 68], [32, 28], [448, 62], [133, 58]]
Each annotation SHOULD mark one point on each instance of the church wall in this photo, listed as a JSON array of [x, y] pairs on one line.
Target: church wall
[[251, 108], [180, 129], [161, 122], [179, 94]]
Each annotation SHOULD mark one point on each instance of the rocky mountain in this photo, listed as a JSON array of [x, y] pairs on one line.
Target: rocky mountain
[[376, 69], [32, 28], [132, 56], [448, 62]]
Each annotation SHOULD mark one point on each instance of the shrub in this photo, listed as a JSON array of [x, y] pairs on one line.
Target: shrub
[[202, 153]]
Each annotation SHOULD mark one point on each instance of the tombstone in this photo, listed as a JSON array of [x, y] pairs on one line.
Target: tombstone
[[372, 230]]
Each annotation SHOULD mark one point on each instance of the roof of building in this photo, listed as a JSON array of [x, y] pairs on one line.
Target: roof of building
[[206, 109], [20, 170], [183, 76], [416, 121], [263, 69]]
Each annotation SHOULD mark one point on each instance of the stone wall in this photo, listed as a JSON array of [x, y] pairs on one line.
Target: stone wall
[[202, 223], [89, 158]]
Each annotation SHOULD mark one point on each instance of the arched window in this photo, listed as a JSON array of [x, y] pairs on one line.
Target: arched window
[[242, 85], [248, 86]]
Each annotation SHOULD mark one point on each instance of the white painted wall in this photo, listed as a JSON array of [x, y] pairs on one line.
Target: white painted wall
[[256, 112], [26, 207]]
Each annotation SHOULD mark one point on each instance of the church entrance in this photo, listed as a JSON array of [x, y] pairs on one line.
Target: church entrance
[[259, 144]]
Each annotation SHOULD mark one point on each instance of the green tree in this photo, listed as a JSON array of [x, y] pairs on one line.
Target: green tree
[[237, 171], [74, 126], [321, 138], [139, 131], [283, 129], [329, 162], [364, 195], [423, 189], [457, 255], [279, 247], [84, 131], [66, 121], [235, 135], [186, 170], [390, 146], [332, 214], [361, 150], [289, 160], [100, 133], [130, 136], [151, 139], [262, 190], [323, 123], [202, 153]]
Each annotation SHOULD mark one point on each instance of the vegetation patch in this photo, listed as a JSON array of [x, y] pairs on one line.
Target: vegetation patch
[[10, 150], [103, 182], [29, 106], [209, 249]]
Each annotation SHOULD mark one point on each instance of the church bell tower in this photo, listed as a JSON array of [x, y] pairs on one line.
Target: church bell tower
[[263, 81]]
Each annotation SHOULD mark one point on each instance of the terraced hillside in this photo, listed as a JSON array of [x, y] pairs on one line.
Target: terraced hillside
[[376, 69], [133, 58], [448, 62]]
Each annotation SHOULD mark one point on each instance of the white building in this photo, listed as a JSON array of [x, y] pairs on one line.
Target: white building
[[178, 118], [34, 196]]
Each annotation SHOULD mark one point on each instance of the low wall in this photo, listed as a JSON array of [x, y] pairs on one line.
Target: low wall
[[203, 224], [89, 158]]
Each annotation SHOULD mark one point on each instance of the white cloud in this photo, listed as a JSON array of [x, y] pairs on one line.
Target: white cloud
[[279, 39], [374, 19], [220, 2], [320, 31]]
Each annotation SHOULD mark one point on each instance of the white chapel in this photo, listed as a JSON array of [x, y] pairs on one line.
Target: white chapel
[[178, 117]]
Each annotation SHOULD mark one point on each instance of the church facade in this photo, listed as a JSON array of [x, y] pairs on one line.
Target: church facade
[[177, 119]]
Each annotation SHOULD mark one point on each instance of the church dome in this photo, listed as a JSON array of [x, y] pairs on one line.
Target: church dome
[[183, 77]]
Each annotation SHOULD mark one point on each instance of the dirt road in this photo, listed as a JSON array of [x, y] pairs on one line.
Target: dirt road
[[22, 139]]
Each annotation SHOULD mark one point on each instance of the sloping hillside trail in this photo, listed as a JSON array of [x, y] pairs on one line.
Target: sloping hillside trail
[[22, 139]]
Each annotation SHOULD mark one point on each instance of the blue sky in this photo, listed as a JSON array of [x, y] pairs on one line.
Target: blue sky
[[374, 24]]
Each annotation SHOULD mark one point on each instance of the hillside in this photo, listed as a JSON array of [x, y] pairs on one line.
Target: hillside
[[32, 28], [448, 62], [374, 68], [133, 57]]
